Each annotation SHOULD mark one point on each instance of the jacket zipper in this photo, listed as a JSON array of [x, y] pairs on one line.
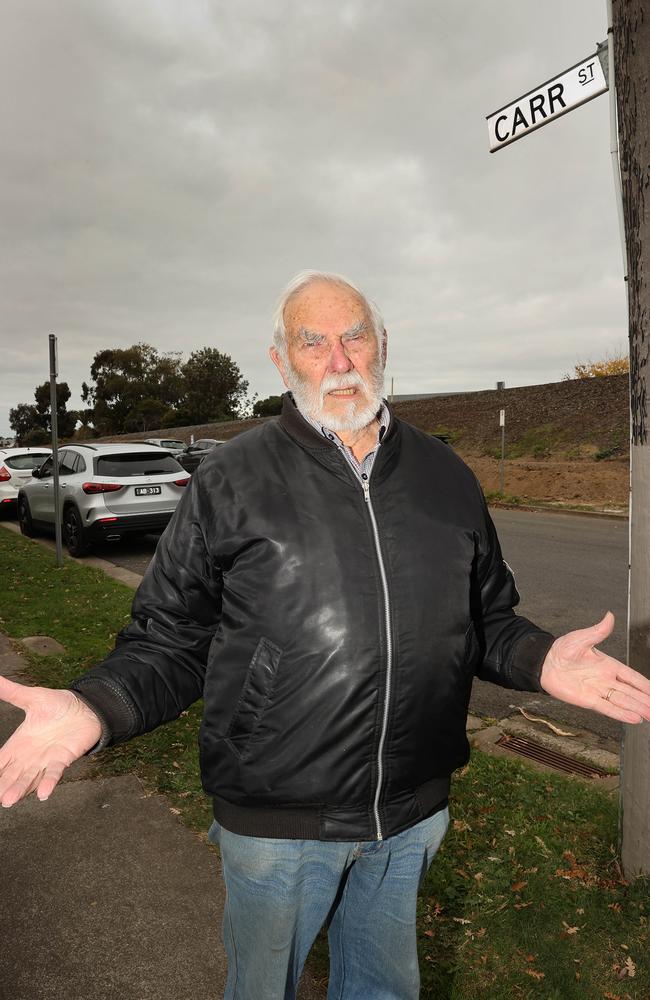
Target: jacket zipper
[[389, 655]]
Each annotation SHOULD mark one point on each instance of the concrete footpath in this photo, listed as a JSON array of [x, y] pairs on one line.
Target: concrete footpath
[[104, 894]]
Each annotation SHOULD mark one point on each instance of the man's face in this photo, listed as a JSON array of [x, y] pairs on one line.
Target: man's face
[[333, 365]]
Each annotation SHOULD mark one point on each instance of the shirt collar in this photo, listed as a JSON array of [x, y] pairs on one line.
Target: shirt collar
[[383, 416]]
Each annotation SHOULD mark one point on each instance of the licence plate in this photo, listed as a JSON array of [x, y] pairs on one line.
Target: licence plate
[[147, 491]]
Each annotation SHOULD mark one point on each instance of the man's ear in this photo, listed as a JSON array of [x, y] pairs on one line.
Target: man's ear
[[274, 354]]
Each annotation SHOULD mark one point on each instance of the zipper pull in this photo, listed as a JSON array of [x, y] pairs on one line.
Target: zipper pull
[[366, 487]]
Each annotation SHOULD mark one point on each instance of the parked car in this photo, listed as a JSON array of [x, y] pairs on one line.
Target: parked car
[[195, 453], [16, 465], [107, 491], [171, 444]]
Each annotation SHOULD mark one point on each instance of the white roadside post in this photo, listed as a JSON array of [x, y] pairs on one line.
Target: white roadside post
[[55, 448], [502, 471]]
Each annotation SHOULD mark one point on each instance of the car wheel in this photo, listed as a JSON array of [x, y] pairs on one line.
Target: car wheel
[[75, 536], [25, 519]]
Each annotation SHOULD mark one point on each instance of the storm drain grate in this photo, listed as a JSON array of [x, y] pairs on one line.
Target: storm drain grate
[[550, 758]]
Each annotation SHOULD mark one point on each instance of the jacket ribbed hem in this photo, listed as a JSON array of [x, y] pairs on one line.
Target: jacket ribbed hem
[[112, 705], [325, 823], [525, 669]]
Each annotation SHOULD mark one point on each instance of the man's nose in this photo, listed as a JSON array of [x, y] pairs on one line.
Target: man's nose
[[339, 360]]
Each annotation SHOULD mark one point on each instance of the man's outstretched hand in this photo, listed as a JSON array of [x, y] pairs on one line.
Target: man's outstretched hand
[[576, 672], [58, 729]]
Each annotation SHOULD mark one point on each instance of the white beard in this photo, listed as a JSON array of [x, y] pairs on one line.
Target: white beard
[[356, 414]]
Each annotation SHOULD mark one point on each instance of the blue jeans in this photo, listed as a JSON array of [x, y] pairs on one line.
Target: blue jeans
[[279, 893]]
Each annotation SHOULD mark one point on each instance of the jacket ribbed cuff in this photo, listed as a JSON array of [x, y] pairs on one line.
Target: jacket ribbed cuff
[[524, 668], [114, 709]]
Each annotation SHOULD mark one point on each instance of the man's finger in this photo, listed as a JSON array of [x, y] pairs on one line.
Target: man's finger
[[19, 695], [630, 701], [633, 678], [49, 781], [621, 714], [21, 787], [597, 633]]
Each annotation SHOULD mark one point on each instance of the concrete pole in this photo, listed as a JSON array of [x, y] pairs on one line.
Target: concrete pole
[[55, 449], [631, 31]]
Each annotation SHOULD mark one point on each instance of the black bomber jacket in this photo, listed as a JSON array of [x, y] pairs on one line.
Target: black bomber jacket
[[332, 630]]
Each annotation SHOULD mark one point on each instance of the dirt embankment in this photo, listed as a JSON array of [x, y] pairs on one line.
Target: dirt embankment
[[565, 442]]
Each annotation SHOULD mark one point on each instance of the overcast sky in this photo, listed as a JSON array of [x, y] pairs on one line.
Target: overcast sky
[[167, 167]]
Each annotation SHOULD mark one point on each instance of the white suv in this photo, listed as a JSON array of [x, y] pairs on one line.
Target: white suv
[[16, 465], [107, 491]]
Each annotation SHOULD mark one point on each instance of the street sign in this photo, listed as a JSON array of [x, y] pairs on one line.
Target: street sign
[[502, 418], [551, 100]]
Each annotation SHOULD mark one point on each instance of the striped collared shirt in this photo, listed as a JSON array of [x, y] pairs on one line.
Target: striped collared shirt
[[361, 468]]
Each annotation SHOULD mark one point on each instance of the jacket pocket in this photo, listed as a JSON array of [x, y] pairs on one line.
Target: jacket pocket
[[255, 696]]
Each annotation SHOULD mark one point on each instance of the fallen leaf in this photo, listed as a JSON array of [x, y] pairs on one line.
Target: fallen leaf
[[614, 906], [556, 729], [481, 932], [575, 872], [460, 825], [569, 930], [630, 967], [535, 974], [461, 920], [511, 833], [522, 906], [517, 886]]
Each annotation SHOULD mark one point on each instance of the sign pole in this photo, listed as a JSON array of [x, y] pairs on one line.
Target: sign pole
[[631, 46], [55, 449]]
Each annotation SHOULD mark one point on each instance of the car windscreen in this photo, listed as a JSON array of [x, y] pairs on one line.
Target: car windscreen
[[135, 464], [29, 461], [176, 445]]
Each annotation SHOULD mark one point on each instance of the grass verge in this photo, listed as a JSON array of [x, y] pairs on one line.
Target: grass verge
[[525, 899]]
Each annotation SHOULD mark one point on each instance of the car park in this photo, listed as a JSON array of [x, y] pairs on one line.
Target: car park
[[107, 491], [195, 453], [171, 444], [16, 466]]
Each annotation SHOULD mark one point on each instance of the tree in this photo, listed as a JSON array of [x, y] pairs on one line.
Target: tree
[[23, 418], [214, 387], [35, 437], [617, 363], [124, 378], [66, 419], [146, 414], [631, 32], [269, 407]]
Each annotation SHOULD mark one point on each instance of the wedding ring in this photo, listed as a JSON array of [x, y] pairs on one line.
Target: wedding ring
[[609, 694]]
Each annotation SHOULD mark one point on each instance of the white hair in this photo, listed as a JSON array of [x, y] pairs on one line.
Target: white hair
[[302, 280]]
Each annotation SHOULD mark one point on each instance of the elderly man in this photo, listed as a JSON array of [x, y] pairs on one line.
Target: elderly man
[[330, 584]]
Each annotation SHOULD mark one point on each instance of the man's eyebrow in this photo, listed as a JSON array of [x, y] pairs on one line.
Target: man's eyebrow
[[306, 334]]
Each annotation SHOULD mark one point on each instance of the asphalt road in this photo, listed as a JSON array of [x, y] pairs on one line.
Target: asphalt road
[[569, 571]]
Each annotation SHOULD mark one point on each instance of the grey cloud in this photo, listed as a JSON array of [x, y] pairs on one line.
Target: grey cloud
[[168, 166]]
